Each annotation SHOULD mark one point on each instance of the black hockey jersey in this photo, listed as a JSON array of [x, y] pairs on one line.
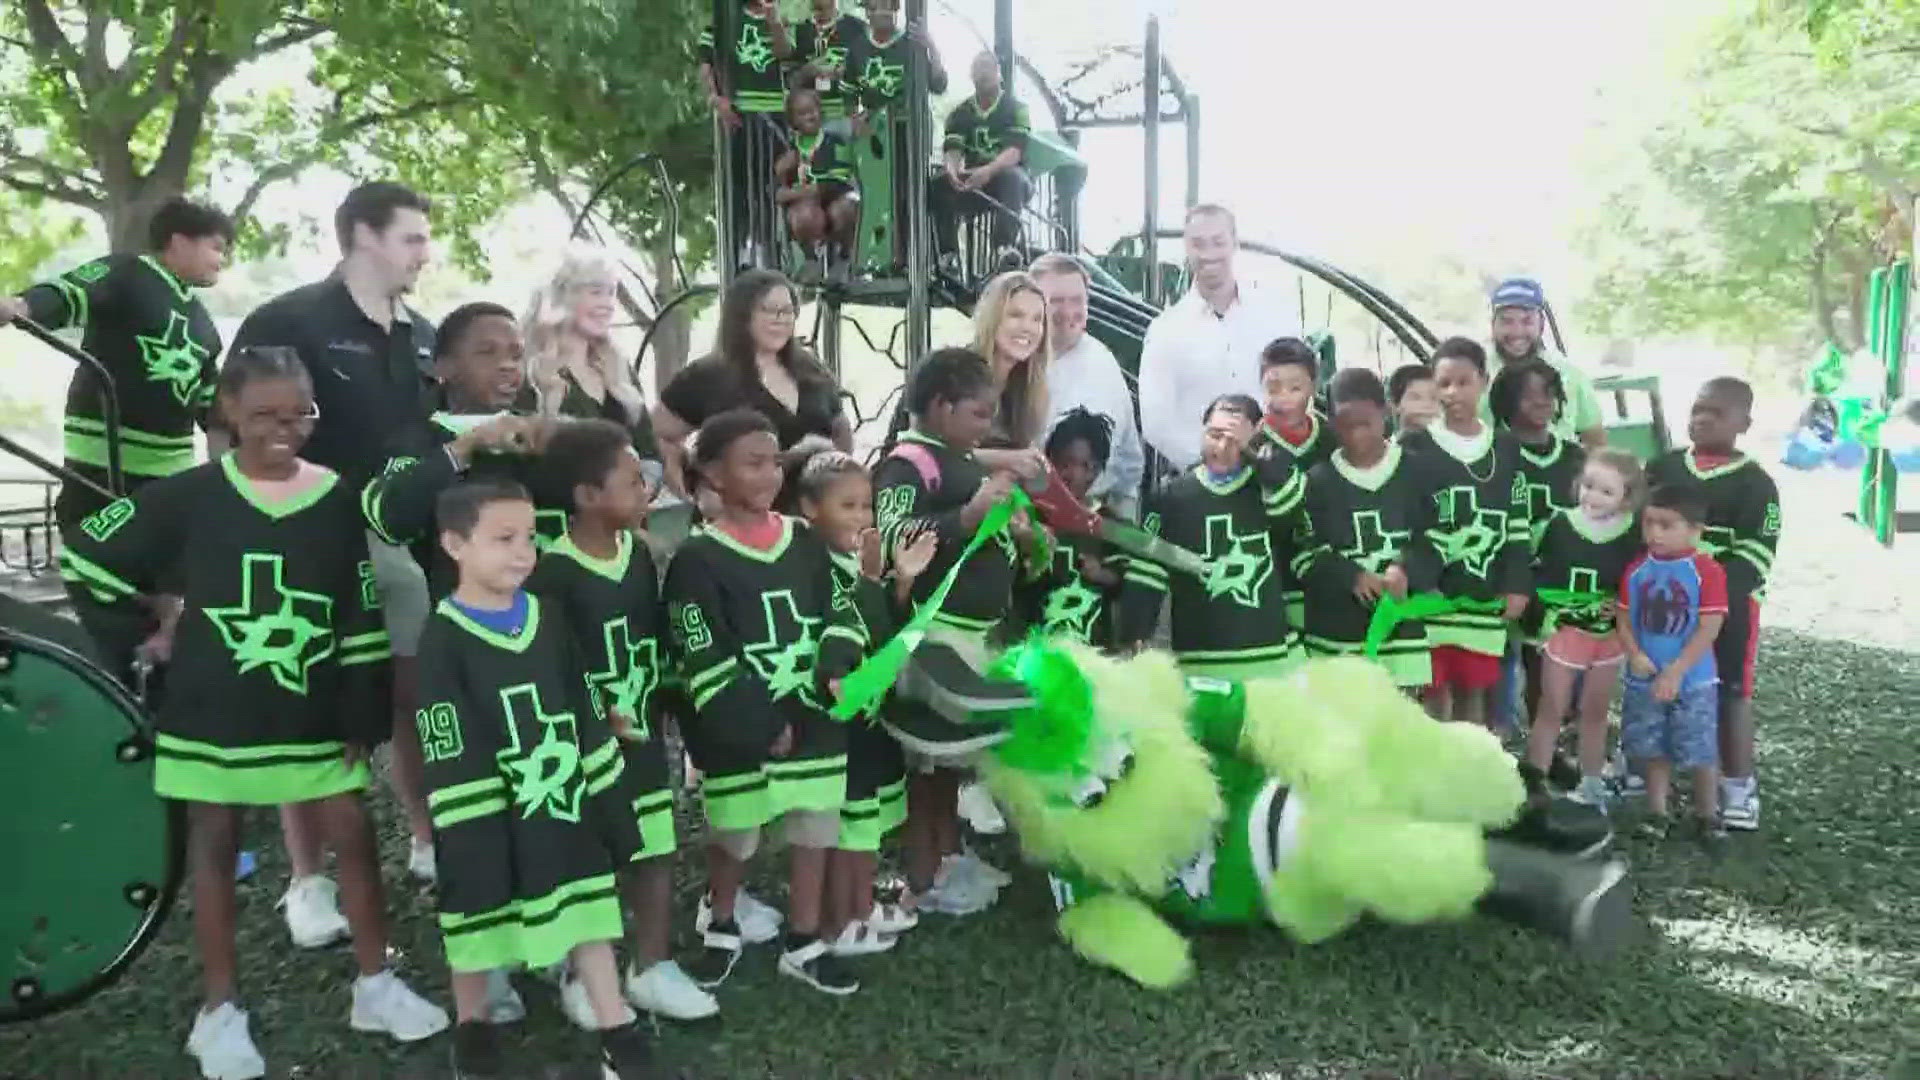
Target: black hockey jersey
[[155, 338], [924, 481], [280, 656], [1743, 515], [1480, 530], [827, 47], [524, 783], [877, 73], [1319, 445], [399, 503], [1551, 473], [824, 158], [749, 71], [876, 768], [1575, 555], [1235, 621], [1366, 520], [757, 638], [1062, 603]]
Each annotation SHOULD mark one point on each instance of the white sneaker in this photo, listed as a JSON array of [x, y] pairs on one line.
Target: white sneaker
[[503, 1004], [385, 1004], [977, 807], [970, 873], [223, 1046], [312, 906], [951, 898], [665, 990], [859, 939], [759, 923], [1740, 813], [420, 860], [891, 919], [578, 1006]]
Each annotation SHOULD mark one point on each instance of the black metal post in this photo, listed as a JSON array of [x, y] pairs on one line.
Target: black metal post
[[1193, 150], [919, 151], [727, 230], [1066, 208], [1003, 41], [1150, 218]]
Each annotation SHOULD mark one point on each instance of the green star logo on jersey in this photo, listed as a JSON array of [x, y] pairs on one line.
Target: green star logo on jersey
[[628, 680], [1474, 534], [547, 778], [1238, 564], [1071, 608], [1584, 579], [753, 49], [1540, 507], [983, 144], [88, 273], [785, 659], [174, 358], [883, 78], [281, 629], [1374, 546]]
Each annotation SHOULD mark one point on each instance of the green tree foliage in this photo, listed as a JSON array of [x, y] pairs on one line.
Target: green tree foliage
[[1755, 201]]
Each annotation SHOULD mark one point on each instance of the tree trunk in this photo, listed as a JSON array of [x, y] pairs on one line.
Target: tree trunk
[[128, 213], [672, 335]]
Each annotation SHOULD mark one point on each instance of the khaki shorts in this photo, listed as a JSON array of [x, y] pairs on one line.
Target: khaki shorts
[[801, 828], [403, 594]]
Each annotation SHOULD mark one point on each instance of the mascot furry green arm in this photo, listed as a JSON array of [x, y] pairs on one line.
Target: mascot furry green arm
[[1306, 800]]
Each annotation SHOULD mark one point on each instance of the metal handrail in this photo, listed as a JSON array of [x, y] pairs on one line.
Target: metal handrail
[[109, 408]]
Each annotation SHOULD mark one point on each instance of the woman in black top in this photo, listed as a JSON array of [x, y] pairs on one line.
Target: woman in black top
[[572, 366], [757, 363]]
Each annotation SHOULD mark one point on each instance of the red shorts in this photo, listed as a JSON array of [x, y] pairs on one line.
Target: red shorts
[[1462, 669]]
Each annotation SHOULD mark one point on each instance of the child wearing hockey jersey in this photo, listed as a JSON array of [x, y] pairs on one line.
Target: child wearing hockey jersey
[[1075, 594], [1579, 560], [836, 498], [479, 358], [1289, 374], [525, 785], [1525, 399], [1480, 532], [816, 185], [1742, 532], [600, 579], [276, 692], [1241, 517], [757, 641], [1415, 404], [1368, 510], [933, 480]]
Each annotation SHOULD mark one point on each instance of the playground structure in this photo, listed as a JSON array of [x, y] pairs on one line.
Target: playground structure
[[81, 920]]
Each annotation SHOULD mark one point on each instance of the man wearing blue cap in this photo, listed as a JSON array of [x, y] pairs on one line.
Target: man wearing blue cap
[[1518, 322]]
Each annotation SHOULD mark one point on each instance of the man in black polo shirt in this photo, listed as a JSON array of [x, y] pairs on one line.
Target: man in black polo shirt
[[985, 144], [371, 360]]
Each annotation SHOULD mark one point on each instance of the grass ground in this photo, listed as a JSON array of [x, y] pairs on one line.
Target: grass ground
[[1796, 955]]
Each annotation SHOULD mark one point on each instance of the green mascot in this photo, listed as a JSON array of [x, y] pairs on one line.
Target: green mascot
[[1307, 800]]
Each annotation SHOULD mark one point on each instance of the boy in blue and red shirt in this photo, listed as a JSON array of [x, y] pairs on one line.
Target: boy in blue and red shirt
[[1673, 602]]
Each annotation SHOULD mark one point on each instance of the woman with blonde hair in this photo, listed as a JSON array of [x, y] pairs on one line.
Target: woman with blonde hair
[[572, 364], [1010, 329]]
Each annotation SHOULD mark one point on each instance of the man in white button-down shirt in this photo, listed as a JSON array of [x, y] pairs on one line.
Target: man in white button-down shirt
[[1208, 342], [1084, 374]]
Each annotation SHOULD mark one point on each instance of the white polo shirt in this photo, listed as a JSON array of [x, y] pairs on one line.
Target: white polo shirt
[[1193, 355], [1088, 377]]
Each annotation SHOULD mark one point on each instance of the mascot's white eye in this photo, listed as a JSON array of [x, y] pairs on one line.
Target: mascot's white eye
[[1114, 760], [1089, 793]]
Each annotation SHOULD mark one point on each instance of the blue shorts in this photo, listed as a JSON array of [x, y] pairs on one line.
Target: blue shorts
[[1685, 731]]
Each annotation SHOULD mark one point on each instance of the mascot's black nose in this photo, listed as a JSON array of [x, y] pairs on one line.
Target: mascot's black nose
[[1093, 800]]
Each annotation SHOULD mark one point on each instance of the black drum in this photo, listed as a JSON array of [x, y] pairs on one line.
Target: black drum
[[93, 856]]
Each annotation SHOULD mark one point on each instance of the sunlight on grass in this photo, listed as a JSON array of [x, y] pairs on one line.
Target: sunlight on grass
[[1743, 953]]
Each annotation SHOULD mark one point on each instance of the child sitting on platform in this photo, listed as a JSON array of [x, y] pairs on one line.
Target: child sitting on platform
[[817, 186]]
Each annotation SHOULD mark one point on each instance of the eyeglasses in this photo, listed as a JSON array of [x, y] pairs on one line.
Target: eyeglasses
[[779, 312]]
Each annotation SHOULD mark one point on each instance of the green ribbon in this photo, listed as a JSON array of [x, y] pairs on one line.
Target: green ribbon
[[1391, 611], [865, 685]]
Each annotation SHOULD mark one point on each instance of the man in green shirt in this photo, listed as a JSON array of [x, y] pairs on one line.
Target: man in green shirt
[[986, 141], [1519, 321]]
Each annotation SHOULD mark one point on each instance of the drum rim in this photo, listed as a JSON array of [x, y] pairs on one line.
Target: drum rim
[[12, 1011]]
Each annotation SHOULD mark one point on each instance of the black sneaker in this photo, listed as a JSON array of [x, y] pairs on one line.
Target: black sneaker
[[626, 1053], [812, 964], [1560, 824], [476, 1052], [722, 945]]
